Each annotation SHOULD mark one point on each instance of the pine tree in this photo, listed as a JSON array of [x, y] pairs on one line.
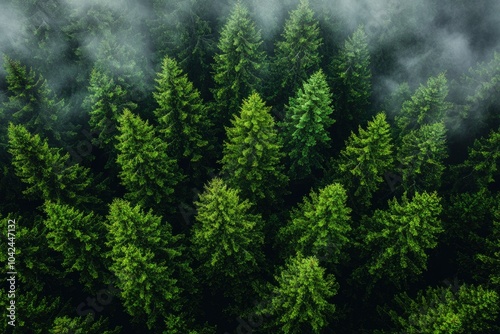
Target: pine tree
[[237, 64], [427, 105], [148, 263], [353, 77], [47, 172], [147, 171], [300, 299], [397, 238], [366, 157], [491, 259], [421, 155], [320, 226], [297, 54], [252, 157], [306, 124], [227, 239], [483, 158], [87, 324], [183, 117]]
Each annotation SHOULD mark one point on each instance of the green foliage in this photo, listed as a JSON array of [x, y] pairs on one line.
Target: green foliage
[[238, 63], [397, 238], [306, 124], [471, 309], [82, 325], [252, 153], [147, 171], [366, 157], [352, 81], [300, 300], [320, 225], [427, 105], [483, 157], [492, 258], [147, 262], [182, 116], [227, 239], [297, 54], [421, 154], [48, 173]]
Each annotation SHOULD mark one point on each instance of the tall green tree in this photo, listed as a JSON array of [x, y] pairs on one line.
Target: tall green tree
[[48, 173], [297, 53], [252, 153], [470, 309], [306, 124], [147, 171], [365, 159], [183, 118], [147, 260], [491, 258], [320, 225], [227, 239], [398, 238], [237, 64], [300, 300], [421, 154], [427, 105], [483, 159], [352, 78]]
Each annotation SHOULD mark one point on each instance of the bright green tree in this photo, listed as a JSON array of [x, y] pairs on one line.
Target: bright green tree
[[366, 157], [306, 124], [147, 171], [300, 301], [397, 238], [470, 309], [78, 237], [421, 154], [148, 263], [427, 105], [321, 224], [182, 116], [352, 81], [252, 153], [227, 239], [237, 64], [82, 325], [48, 173], [297, 53]]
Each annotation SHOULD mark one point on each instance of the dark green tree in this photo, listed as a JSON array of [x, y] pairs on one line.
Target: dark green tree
[[147, 171], [491, 258], [300, 300], [48, 173], [365, 159], [306, 124], [183, 118], [82, 325], [421, 154], [149, 266], [483, 158], [252, 153], [352, 78], [297, 53], [237, 64]]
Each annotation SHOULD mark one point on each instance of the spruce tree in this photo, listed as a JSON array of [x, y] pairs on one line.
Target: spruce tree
[[306, 124], [252, 153], [483, 159]]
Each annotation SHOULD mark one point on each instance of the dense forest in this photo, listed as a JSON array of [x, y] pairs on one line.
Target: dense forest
[[250, 166]]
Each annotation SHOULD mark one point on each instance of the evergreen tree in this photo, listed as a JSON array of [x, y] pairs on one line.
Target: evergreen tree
[[366, 157], [306, 124], [471, 309], [427, 105], [252, 157], [46, 171], [397, 238], [182, 117], [483, 158], [297, 54], [237, 64], [320, 225], [227, 240], [353, 78], [300, 300], [148, 263], [67, 325], [147, 171], [491, 259], [421, 155]]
